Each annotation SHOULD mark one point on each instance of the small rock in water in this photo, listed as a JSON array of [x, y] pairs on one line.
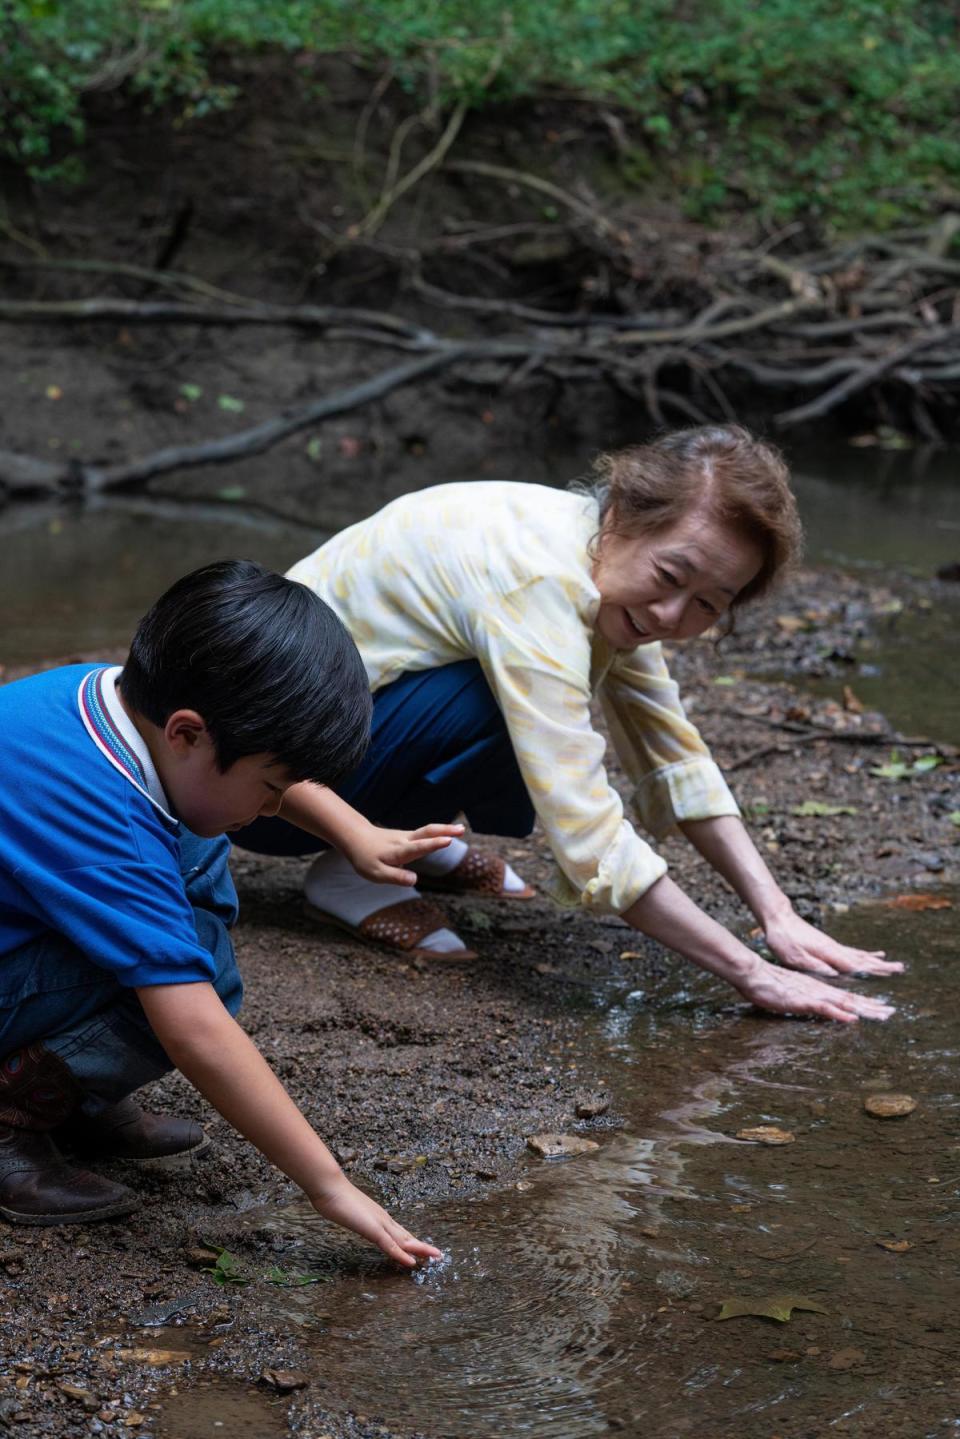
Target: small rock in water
[[766, 1134], [557, 1146], [889, 1106], [590, 1106], [675, 1283]]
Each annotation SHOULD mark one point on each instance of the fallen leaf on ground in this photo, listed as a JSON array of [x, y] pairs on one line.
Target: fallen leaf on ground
[[557, 1146], [766, 1134], [773, 1306], [845, 1358], [895, 1246], [897, 768], [889, 1106], [851, 703], [155, 1356], [818, 807], [792, 624], [918, 902]]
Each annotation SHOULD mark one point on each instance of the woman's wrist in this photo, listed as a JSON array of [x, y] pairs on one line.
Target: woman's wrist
[[666, 914], [772, 909]]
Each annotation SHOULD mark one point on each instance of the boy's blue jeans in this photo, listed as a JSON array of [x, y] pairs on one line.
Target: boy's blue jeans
[[52, 992]]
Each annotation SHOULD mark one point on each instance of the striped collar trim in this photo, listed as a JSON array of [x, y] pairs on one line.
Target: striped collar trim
[[116, 736]]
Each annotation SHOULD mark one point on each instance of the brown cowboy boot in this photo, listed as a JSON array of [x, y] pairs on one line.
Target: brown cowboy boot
[[37, 1186], [125, 1131]]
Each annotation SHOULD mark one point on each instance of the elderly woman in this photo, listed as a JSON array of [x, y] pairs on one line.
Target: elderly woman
[[489, 615]]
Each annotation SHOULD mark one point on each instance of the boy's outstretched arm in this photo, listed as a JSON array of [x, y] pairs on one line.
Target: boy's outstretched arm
[[224, 1064], [377, 854]]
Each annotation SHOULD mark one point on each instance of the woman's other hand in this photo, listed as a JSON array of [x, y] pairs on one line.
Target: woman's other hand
[[800, 945], [783, 992]]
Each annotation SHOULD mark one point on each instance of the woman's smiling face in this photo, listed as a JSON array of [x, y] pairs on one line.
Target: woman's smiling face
[[671, 585]]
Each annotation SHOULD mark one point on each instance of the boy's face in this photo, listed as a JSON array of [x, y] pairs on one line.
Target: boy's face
[[208, 800]]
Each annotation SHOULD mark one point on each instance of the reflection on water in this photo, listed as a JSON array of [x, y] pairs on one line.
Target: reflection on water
[[581, 1299], [79, 577]]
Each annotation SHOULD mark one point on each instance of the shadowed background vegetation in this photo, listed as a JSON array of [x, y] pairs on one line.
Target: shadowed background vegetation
[[845, 114]]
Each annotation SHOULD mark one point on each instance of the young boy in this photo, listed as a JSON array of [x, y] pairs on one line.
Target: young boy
[[242, 692]]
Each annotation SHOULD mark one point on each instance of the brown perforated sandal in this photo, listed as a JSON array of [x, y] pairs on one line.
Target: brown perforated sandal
[[478, 874], [400, 927]]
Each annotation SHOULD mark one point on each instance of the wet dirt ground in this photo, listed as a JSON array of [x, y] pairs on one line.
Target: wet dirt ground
[[579, 1294]]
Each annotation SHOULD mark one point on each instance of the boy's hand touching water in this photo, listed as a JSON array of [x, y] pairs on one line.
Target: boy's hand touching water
[[214, 1053], [343, 1203]]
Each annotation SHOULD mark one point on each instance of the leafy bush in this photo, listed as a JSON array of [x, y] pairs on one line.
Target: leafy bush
[[789, 107]]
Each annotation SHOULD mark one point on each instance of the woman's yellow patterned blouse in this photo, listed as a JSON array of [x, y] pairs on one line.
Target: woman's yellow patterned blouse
[[501, 572]]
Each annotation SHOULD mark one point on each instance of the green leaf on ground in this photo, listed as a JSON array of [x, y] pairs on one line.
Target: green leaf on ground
[[227, 1269], [285, 1280], [724, 680], [231, 403], [816, 807], [773, 1306], [191, 392], [232, 492], [954, 817], [896, 768]]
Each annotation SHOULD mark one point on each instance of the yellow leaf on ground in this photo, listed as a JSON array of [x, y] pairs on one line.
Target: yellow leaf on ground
[[772, 1306], [918, 902]]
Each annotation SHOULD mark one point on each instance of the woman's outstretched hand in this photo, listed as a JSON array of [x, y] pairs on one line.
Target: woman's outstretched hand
[[783, 992], [381, 854], [800, 945], [343, 1203]]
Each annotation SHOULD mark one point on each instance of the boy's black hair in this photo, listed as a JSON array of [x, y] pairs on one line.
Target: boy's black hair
[[268, 665]]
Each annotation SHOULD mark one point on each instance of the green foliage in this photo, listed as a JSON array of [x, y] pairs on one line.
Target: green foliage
[[846, 112], [898, 768], [228, 1270]]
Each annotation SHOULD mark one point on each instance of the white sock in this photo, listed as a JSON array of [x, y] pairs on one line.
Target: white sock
[[442, 861], [333, 885]]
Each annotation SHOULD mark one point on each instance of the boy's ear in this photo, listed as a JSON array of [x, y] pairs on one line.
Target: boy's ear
[[184, 731]]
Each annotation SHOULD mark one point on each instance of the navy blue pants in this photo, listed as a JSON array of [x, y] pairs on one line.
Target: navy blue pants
[[439, 748]]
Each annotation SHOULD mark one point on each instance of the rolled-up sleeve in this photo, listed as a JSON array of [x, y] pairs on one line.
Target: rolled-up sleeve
[[673, 775], [536, 657]]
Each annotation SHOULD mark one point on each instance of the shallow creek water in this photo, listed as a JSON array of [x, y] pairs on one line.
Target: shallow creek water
[[584, 1299]]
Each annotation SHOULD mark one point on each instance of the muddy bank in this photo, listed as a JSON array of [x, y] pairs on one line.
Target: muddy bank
[[427, 1081], [264, 205]]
